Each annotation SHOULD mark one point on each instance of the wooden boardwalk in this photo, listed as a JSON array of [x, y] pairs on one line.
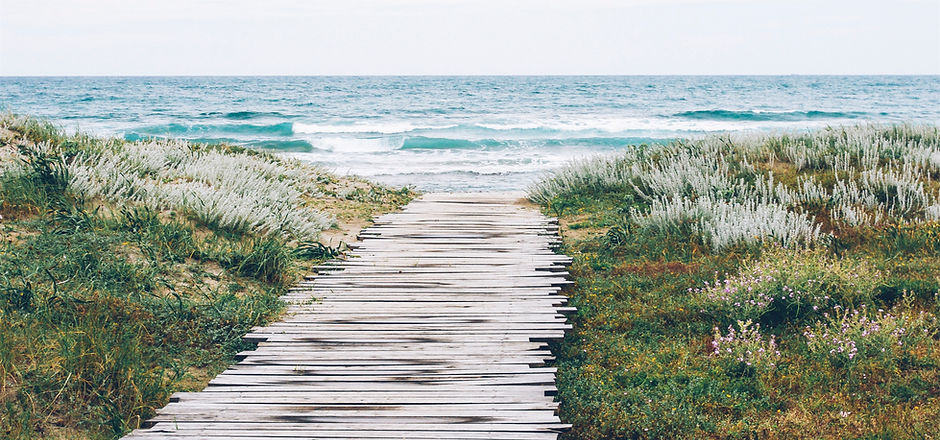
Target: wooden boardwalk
[[433, 328]]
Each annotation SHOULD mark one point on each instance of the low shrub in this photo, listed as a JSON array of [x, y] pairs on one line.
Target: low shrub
[[846, 337], [793, 189], [238, 192], [745, 348], [786, 286], [722, 224]]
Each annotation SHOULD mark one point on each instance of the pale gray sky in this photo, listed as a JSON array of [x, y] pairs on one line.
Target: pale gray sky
[[363, 37]]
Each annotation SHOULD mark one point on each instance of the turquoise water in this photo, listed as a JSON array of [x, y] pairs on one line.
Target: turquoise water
[[461, 133]]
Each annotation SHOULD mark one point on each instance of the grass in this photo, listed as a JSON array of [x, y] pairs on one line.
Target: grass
[[112, 298], [687, 328]]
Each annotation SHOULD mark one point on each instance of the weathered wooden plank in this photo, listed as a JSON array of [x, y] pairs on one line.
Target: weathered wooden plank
[[169, 427], [529, 417], [435, 274], [476, 347], [303, 326], [381, 382], [261, 412], [515, 390], [355, 357], [406, 370], [261, 427], [422, 318], [216, 434], [288, 360], [361, 397], [324, 435], [319, 290], [332, 338]]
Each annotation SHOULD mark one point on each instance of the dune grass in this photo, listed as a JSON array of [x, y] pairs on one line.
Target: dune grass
[[754, 286], [129, 271]]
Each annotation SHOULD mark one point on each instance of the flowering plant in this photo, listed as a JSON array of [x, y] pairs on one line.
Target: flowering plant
[[786, 286], [851, 336], [745, 347]]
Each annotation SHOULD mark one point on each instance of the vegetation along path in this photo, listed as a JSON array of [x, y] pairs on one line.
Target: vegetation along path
[[434, 327]]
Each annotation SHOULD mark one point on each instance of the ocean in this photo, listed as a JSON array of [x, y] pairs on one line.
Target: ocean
[[462, 133]]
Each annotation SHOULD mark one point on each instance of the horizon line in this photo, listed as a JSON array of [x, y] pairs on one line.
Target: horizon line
[[390, 75]]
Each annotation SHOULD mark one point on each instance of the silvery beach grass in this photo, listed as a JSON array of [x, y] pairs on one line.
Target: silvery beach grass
[[725, 187], [241, 191]]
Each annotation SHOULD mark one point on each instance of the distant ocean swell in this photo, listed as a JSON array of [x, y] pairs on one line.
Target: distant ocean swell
[[688, 120], [747, 115], [245, 115], [714, 114], [391, 143], [187, 130], [378, 136]]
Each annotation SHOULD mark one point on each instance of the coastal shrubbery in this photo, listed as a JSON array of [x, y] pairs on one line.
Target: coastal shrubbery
[[848, 337], [129, 270], [749, 188], [754, 286], [745, 347], [789, 286], [244, 192]]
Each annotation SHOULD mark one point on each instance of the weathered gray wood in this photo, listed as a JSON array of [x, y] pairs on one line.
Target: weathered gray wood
[[216, 434], [377, 426], [432, 327], [360, 397]]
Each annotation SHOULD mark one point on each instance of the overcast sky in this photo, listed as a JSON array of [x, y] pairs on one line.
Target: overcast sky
[[364, 37]]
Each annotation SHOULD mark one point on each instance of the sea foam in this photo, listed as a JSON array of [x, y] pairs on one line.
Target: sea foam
[[393, 127]]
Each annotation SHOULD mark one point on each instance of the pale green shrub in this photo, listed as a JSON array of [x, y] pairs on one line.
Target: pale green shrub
[[710, 186], [787, 286], [745, 347], [238, 191], [722, 224], [864, 335]]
